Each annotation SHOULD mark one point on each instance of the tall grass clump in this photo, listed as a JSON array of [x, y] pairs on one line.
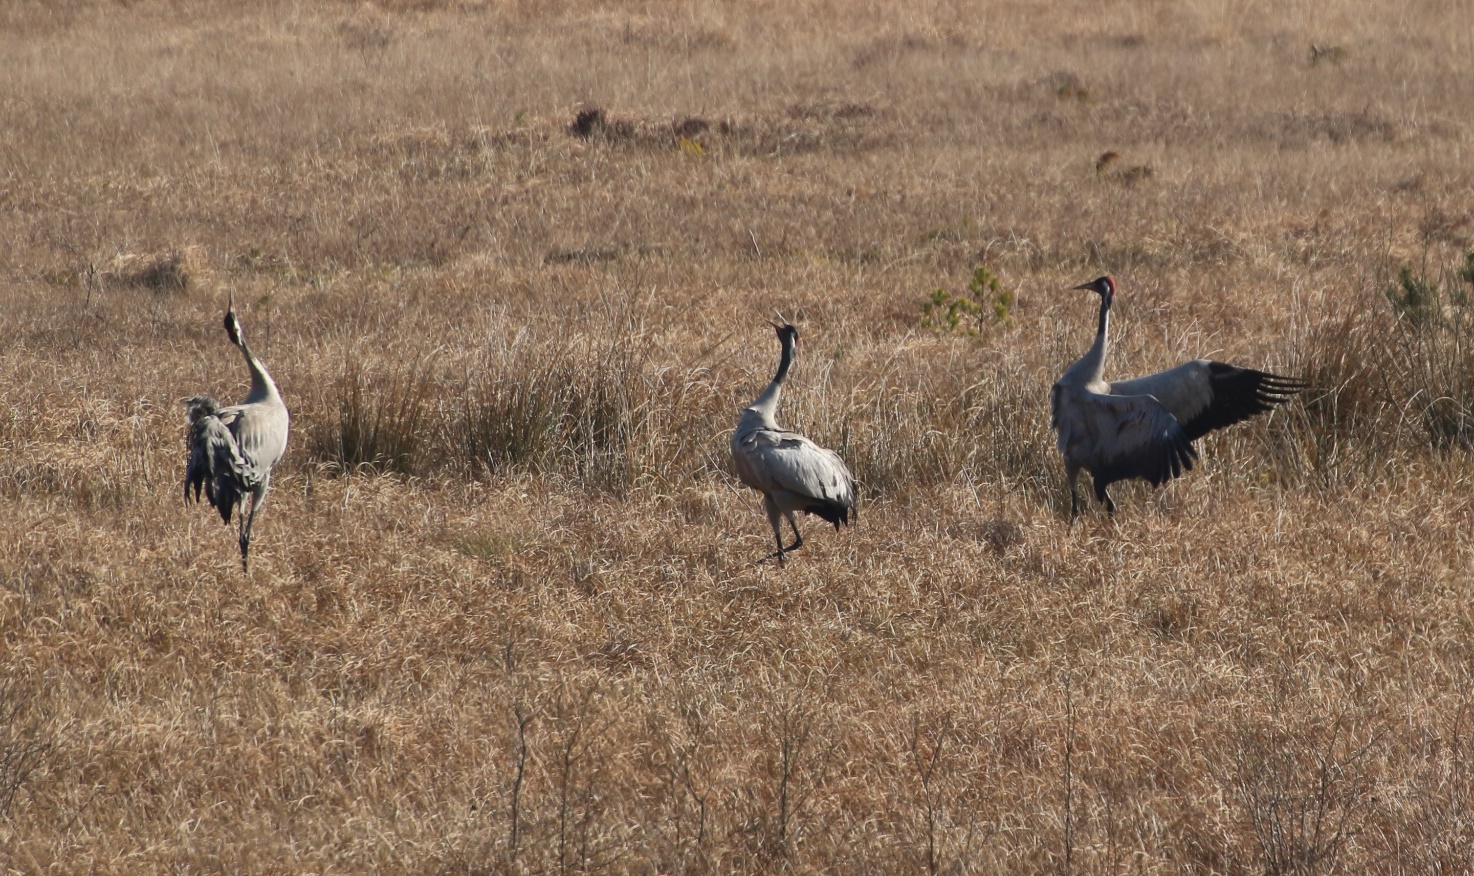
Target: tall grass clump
[[1431, 352], [591, 412], [1345, 425], [1392, 376], [383, 421], [929, 428], [558, 410]]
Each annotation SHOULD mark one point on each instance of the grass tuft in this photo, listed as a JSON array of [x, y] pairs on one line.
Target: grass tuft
[[382, 421], [164, 273]]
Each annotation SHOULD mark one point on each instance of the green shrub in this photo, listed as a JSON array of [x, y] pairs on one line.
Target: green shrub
[[969, 312]]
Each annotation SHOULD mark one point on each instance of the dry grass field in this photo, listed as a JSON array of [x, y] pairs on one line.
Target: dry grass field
[[503, 613]]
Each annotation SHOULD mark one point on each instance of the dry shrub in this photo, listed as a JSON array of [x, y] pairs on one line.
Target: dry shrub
[[27, 739], [1386, 382], [1430, 820], [944, 428], [1305, 793], [935, 770], [547, 796], [1300, 129], [1430, 352], [1345, 424], [581, 256], [592, 412], [594, 124], [775, 808], [678, 766], [839, 128]]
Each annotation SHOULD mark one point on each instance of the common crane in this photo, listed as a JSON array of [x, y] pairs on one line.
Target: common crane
[[1144, 428], [792, 472], [232, 449]]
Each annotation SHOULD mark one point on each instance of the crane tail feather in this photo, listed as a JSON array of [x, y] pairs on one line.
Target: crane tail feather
[[834, 512]]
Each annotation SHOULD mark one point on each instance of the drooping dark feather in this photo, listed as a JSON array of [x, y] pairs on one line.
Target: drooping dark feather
[[215, 466], [837, 513], [1156, 463]]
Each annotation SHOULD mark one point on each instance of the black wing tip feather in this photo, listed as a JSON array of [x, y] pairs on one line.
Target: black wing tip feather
[[1239, 394], [1179, 459], [837, 513], [1274, 389]]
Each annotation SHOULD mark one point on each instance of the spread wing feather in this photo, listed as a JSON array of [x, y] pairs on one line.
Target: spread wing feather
[[1205, 395]]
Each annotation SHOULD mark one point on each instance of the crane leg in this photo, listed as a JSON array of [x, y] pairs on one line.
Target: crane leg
[[246, 535], [1105, 497], [798, 539], [775, 518], [1072, 473], [258, 496]]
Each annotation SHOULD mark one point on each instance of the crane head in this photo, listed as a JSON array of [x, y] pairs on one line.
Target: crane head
[[784, 327], [1104, 286], [232, 325]]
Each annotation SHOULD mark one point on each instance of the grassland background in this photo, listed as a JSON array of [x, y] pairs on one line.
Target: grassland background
[[503, 614]]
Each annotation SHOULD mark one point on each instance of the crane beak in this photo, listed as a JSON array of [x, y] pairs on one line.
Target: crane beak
[[1104, 285]]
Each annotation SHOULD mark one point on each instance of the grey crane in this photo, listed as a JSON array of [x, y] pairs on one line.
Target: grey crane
[[232, 449], [1144, 428], [792, 472]]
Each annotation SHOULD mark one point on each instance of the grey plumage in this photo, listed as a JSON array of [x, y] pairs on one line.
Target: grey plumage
[[233, 449], [1144, 428], [792, 472]]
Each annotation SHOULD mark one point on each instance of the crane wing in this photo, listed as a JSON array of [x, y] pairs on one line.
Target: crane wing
[[1205, 395], [786, 462], [215, 465], [1119, 436]]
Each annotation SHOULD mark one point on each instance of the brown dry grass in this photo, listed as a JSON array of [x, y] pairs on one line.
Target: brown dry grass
[[503, 615]]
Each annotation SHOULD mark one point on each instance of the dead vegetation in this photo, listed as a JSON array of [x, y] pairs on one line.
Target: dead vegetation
[[509, 264]]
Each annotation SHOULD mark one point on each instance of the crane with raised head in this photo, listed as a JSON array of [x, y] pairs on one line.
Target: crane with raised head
[[1144, 428], [792, 472], [232, 449]]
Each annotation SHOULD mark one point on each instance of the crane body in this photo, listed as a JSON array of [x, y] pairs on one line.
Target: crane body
[[233, 449], [1144, 428], [793, 473]]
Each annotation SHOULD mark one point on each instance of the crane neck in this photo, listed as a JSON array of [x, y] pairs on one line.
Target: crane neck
[[1090, 368], [263, 388], [765, 406]]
